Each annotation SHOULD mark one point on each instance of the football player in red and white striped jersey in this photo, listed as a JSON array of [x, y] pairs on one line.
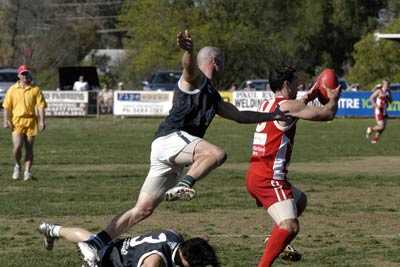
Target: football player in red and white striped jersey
[[273, 142], [379, 99]]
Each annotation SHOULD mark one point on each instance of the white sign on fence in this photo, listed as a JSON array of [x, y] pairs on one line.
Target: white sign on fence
[[66, 103], [250, 100], [142, 103]]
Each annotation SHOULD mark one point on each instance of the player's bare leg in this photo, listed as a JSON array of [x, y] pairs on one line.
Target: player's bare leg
[[28, 142], [52, 232], [281, 236], [17, 140], [377, 130], [290, 253], [144, 207], [204, 158]]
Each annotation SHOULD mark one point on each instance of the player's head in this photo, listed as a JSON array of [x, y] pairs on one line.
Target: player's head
[[210, 56], [196, 252], [385, 84], [24, 74], [284, 79]]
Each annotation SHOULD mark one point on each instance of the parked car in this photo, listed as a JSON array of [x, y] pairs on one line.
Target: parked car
[[162, 81], [8, 76], [255, 85]]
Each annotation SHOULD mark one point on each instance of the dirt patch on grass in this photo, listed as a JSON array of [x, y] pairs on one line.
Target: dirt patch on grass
[[380, 165], [371, 166]]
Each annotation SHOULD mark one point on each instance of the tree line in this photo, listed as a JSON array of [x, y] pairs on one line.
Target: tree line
[[255, 35]]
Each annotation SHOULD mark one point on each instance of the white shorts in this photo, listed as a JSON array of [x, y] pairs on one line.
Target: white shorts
[[164, 171], [286, 209]]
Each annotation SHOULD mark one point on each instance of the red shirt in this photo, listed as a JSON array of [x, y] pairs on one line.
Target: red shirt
[[272, 145]]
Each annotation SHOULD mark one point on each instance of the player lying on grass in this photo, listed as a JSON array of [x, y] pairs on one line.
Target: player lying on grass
[[179, 141], [379, 99], [267, 175], [164, 248]]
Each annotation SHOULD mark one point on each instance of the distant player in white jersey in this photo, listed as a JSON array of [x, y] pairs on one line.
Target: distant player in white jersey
[[267, 179], [379, 99]]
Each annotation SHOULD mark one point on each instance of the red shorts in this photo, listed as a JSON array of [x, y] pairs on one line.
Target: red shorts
[[379, 114], [268, 191]]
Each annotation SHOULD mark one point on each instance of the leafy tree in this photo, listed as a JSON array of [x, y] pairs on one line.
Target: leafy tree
[[375, 60], [255, 35]]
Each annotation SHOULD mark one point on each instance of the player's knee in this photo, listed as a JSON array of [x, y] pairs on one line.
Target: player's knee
[[301, 204], [145, 209], [17, 151], [290, 225], [220, 156]]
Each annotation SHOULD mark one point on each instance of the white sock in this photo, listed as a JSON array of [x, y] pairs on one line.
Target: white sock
[[55, 232]]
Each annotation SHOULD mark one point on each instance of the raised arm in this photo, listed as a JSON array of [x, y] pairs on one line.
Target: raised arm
[[189, 80], [230, 112]]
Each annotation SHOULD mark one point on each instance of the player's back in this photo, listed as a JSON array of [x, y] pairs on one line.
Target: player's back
[[272, 144], [192, 111], [131, 252]]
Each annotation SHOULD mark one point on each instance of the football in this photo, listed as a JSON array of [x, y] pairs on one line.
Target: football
[[328, 78]]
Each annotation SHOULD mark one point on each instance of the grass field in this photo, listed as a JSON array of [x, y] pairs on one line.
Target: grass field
[[88, 170]]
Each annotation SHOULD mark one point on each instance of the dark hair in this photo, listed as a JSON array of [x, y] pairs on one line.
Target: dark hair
[[198, 253], [279, 75]]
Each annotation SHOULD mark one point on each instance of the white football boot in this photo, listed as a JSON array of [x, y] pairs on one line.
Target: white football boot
[[368, 132], [27, 175], [46, 229], [180, 193], [16, 172]]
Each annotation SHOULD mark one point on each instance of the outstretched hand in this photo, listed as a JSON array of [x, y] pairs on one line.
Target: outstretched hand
[[184, 41], [311, 94], [333, 93]]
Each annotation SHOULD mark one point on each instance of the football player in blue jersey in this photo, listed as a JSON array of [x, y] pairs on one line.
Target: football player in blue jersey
[[164, 248]]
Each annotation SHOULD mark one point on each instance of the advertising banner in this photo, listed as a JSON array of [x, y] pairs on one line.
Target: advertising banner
[[142, 103], [356, 104], [66, 103], [351, 104], [250, 100]]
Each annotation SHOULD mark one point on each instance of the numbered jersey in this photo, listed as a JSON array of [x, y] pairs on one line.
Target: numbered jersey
[[272, 144], [381, 104], [131, 252], [382, 99]]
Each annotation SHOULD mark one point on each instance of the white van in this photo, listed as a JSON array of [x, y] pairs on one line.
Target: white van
[[8, 76]]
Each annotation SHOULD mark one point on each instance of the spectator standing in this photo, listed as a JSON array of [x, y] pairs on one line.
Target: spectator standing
[[24, 113], [233, 87], [105, 100], [81, 84]]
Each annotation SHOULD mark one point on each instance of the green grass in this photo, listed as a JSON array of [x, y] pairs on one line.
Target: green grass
[[89, 170]]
